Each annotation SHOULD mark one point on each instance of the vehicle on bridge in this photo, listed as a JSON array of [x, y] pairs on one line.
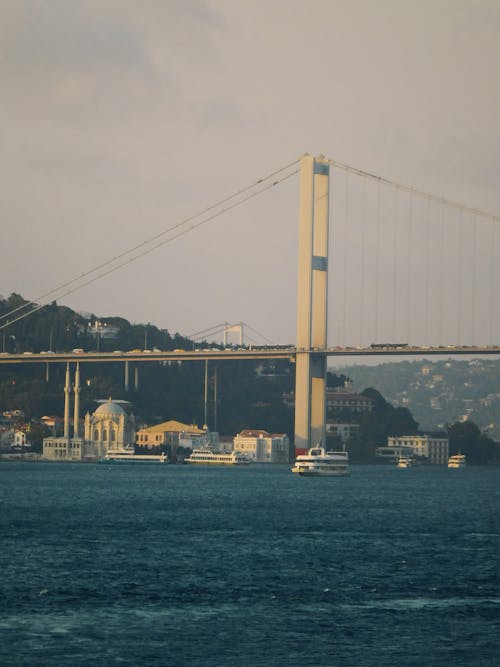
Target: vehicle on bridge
[[388, 346]]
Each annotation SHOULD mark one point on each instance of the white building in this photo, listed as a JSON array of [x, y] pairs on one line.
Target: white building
[[263, 447], [344, 431], [109, 427], [435, 450]]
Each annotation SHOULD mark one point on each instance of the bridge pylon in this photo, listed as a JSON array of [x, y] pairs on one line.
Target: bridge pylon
[[312, 302]]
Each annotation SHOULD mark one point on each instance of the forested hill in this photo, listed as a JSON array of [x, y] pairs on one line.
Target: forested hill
[[249, 394], [438, 392]]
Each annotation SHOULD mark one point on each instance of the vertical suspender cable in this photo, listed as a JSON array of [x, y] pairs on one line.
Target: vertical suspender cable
[[427, 269], [336, 254], [363, 233], [408, 273], [441, 259], [377, 263], [344, 281], [460, 279], [492, 282], [474, 278], [394, 270]]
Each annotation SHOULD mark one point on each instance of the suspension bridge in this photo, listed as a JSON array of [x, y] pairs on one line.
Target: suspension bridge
[[405, 272]]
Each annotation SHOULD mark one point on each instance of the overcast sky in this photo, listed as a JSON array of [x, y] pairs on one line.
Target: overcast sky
[[120, 118]]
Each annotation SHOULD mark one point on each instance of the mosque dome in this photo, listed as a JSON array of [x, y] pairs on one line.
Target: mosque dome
[[109, 409]]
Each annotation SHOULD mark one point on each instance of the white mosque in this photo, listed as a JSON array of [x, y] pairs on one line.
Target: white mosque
[[109, 427]]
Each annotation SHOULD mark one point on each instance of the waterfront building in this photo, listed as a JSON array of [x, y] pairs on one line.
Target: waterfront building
[[434, 449], [109, 427], [392, 453], [263, 447], [176, 434], [13, 439], [65, 449]]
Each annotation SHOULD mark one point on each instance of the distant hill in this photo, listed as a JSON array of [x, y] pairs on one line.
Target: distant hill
[[438, 392]]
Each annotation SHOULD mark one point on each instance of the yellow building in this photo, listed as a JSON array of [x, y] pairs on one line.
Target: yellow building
[[175, 434]]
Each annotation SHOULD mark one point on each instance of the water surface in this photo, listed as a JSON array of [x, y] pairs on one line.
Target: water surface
[[194, 566]]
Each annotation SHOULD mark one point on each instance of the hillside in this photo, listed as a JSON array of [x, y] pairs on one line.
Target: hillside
[[249, 395], [438, 392]]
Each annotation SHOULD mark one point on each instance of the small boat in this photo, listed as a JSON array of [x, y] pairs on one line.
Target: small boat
[[206, 456], [320, 463], [457, 461], [124, 456], [404, 462]]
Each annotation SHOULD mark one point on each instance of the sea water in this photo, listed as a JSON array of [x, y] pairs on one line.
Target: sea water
[[218, 566]]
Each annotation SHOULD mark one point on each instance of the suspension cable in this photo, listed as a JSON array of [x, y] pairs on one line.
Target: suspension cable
[[421, 193], [146, 251]]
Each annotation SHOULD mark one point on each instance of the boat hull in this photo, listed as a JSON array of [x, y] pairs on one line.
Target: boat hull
[[321, 473], [206, 456], [217, 463], [134, 460]]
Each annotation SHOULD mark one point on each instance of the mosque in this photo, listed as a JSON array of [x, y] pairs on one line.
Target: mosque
[[109, 427]]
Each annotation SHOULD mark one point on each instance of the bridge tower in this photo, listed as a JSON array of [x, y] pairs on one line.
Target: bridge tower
[[312, 296]]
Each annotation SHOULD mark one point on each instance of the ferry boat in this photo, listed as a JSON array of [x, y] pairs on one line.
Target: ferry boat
[[457, 461], [404, 462], [206, 456], [320, 463], [123, 456]]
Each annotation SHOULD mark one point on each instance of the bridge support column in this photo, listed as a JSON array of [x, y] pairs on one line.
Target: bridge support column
[[67, 391], [312, 301], [127, 382], [76, 413]]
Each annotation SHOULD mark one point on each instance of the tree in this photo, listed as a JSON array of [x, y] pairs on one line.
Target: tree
[[376, 426], [466, 438]]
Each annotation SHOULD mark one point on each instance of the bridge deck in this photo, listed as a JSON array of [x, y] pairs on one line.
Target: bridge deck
[[242, 354]]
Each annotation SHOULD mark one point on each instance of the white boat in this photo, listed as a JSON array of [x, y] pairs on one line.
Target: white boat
[[404, 462], [205, 456], [124, 456], [320, 463], [457, 461]]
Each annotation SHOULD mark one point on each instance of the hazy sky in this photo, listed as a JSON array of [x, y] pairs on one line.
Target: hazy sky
[[119, 118]]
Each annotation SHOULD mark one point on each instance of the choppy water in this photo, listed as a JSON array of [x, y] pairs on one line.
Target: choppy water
[[181, 566]]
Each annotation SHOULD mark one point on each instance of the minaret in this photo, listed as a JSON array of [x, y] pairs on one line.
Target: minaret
[[67, 390], [76, 416]]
